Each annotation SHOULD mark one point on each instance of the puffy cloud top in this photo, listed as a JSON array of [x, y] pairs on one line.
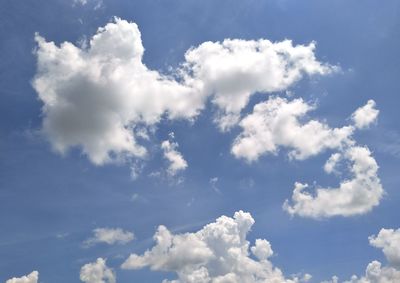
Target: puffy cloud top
[[97, 272], [33, 277], [219, 252], [365, 115]]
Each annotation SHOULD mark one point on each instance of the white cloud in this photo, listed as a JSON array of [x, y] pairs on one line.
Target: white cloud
[[30, 278], [109, 236], [331, 163], [354, 196], [277, 123], [365, 115], [97, 272], [235, 69], [388, 240], [217, 253], [176, 161], [99, 98], [95, 97]]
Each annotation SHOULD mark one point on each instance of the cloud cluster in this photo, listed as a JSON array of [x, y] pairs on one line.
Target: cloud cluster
[[176, 161], [33, 277], [97, 97], [217, 253], [109, 236], [97, 272], [389, 241], [235, 69]]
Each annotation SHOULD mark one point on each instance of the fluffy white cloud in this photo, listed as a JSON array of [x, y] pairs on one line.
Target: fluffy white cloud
[[354, 196], [235, 69], [99, 97], [277, 123], [95, 97], [97, 272], [217, 253], [389, 241], [176, 161], [109, 236], [365, 115], [30, 278]]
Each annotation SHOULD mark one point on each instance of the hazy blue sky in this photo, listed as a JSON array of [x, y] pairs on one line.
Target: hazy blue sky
[[52, 100]]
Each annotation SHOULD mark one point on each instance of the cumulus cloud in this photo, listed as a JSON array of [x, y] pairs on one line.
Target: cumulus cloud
[[277, 123], [97, 272], [30, 278], [95, 97], [235, 69], [219, 252], [109, 236], [389, 241], [176, 161], [365, 115], [354, 196], [100, 97]]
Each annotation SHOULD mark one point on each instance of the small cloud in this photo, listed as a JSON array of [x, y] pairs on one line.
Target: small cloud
[[109, 236]]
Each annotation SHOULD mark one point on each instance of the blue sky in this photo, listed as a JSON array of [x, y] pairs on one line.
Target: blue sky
[[51, 202]]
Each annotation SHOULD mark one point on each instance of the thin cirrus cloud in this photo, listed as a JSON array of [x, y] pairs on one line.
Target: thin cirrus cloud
[[219, 252], [109, 236], [97, 272], [96, 98]]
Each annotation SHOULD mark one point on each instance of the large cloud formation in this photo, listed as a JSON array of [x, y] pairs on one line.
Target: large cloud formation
[[217, 253], [33, 277], [96, 97]]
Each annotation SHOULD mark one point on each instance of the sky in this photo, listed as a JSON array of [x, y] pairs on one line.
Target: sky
[[199, 141]]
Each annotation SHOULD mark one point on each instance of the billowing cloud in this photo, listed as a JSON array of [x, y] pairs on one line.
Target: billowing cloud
[[33, 277], [97, 272], [100, 97], [277, 123], [235, 69], [365, 115], [354, 196], [95, 97], [109, 236], [219, 252], [388, 240], [176, 161]]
